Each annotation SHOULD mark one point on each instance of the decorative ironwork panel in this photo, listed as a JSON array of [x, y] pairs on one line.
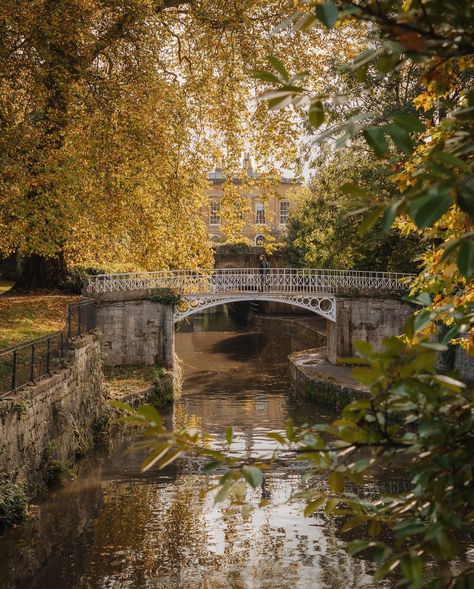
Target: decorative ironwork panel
[[322, 305]]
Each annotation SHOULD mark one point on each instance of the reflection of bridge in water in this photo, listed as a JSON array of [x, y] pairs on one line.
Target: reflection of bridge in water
[[312, 289]]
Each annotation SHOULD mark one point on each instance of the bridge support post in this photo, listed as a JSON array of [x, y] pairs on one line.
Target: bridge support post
[[168, 339], [135, 330], [366, 319]]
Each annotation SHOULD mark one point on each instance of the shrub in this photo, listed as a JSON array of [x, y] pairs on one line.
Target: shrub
[[13, 504]]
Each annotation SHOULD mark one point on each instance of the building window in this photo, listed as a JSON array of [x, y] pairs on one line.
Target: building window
[[214, 214], [260, 239], [284, 211], [259, 213]]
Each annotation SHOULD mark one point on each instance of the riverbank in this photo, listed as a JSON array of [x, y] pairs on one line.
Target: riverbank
[[317, 380], [136, 385]]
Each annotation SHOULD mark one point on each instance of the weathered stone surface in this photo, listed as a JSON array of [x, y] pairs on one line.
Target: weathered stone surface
[[366, 319], [317, 380], [464, 364], [136, 332], [52, 419]]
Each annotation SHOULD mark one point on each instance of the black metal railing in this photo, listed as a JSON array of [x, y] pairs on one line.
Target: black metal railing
[[27, 362]]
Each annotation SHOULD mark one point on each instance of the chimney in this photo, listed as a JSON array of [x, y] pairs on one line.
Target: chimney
[[247, 162]]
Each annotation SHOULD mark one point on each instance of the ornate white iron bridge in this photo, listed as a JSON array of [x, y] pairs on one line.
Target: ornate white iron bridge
[[312, 289]]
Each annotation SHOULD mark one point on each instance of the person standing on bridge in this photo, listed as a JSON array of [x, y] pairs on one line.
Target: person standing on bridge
[[264, 269]]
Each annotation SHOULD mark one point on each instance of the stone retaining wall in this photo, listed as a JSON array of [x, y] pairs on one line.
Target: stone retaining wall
[[135, 332], [365, 319], [317, 380], [51, 422]]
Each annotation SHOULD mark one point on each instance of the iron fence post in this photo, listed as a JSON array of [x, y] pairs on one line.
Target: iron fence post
[[48, 356], [69, 315], [14, 371], [32, 371]]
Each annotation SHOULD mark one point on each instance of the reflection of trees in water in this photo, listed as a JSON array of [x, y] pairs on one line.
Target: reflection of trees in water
[[35, 555]]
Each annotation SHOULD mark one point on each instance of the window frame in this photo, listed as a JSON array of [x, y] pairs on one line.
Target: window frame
[[214, 214], [287, 214], [260, 210]]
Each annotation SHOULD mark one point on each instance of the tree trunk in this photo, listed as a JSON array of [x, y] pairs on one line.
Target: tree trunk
[[38, 272]]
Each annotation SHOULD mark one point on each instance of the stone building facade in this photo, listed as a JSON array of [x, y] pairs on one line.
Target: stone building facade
[[268, 209]]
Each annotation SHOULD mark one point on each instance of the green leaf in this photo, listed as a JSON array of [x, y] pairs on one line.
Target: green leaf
[[449, 159], [386, 62], [412, 567], [466, 258], [449, 382], [223, 492], [423, 299], [375, 137], [265, 76], [365, 375], [150, 413], [354, 189], [409, 122], [422, 319], [313, 505], [170, 457], [400, 137], [253, 475], [316, 114], [156, 454], [290, 430], [354, 522], [327, 13], [358, 545], [331, 506], [370, 221], [121, 406], [278, 437], [374, 528], [229, 434], [390, 214], [365, 57], [209, 466], [278, 66], [428, 208], [434, 346], [336, 481]]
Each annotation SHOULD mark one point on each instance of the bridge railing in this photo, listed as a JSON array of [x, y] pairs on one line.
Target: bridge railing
[[241, 280]]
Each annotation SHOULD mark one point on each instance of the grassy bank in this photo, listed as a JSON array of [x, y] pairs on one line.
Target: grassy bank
[[126, 379], [29, 316]]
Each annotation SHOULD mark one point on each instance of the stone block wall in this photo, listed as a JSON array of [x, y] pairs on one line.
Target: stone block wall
[[136, 332], [465, 365], [53, 419], [366, 319]]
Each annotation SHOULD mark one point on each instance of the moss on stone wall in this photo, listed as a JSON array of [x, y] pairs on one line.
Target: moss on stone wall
[[330, 394]]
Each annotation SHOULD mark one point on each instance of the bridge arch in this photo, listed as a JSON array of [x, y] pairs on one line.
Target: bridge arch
[[323, 305]]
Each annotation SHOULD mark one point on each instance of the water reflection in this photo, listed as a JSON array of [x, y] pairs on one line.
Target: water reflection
[[115, 528]]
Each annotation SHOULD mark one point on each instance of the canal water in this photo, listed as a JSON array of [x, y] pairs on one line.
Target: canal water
[[113, 527]]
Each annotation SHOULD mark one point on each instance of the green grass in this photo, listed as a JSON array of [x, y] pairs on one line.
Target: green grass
[[124, 379], [5, 286], [26, 317]]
